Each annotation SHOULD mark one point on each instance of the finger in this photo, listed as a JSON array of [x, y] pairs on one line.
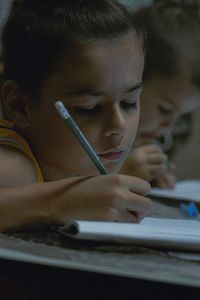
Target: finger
[[166, 181], [156, 158], [141, 216], [136, 185], [117, 215], [134, 202], [127, 216], [131, 216], [152, 148], [157, 169]]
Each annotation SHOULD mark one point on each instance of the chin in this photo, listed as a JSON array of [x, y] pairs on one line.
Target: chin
[[114, 169]]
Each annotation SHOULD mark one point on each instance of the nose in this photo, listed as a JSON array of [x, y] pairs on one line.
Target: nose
[[115, 123]]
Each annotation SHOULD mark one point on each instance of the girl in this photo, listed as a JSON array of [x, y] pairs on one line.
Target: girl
[[89, 55], [171, 88]]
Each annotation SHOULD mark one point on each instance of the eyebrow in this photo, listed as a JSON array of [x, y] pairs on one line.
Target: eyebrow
[[92, 92]]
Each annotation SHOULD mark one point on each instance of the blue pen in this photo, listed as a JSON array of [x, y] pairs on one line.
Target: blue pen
[[64, 113]]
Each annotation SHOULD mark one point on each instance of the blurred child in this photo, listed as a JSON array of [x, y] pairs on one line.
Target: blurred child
[[171, 84], [1, 79], [89, 55]]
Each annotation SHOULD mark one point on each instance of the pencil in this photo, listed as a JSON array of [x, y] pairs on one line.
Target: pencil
[[64, 113]]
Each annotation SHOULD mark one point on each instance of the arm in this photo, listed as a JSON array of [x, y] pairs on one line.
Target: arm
[[104, 197]]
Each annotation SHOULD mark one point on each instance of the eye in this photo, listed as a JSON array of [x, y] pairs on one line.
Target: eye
[[129, 105], [87, 110], [165, 110]]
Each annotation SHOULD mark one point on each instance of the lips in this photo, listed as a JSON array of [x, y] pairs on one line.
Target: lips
[[111, 155]]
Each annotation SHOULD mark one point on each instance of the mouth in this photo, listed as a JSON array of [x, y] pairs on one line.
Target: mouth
[[112, 154]]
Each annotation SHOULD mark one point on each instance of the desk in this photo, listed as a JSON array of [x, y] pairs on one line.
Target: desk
[[52, 264]]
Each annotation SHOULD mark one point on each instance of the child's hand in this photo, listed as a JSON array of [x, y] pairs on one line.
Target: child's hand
[[146, 162], [106, 198], [166, 181]]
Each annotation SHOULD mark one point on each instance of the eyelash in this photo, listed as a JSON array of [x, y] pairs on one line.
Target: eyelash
[[128, 106], [164, 111], [87, 111], [96, 109]]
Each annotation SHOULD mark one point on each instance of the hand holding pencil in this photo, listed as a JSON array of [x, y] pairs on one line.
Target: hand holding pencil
[[110, 197]]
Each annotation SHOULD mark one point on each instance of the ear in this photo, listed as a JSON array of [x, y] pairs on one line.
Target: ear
[[16, 104]]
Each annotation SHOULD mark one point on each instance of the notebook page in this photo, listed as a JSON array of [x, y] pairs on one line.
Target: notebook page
[[184, 190], [175, 234]]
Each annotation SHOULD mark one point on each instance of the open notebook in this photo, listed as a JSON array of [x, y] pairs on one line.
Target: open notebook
[[184, 190], [152, 232]]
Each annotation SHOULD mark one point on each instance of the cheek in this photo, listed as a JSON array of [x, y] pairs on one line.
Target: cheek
[[92, 130], [189, 104], [132, 126], [150, 116], [49, 129], [145, 116]]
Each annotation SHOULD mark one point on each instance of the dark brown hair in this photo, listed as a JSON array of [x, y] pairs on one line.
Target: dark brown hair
[[38, 34], [173, 40]]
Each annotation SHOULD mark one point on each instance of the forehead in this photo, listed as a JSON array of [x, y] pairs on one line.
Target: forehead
[[101, 63]]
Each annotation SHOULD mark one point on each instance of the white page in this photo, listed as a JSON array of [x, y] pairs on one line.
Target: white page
[[186, 256], [153, 232], [184, 190]]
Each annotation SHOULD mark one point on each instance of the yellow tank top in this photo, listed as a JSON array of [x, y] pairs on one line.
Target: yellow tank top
[[10, 137]]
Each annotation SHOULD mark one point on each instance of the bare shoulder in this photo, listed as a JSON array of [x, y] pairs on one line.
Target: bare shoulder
[[16, 168]]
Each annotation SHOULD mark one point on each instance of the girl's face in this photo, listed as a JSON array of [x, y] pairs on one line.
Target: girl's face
[[101, 87], [162, 102]]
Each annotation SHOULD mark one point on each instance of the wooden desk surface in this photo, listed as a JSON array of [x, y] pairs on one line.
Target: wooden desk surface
[[51, 249]]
